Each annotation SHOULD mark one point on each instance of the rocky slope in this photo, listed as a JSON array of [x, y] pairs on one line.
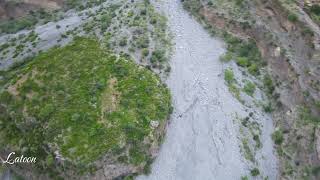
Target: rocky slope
[[288, 40], [13, 9]]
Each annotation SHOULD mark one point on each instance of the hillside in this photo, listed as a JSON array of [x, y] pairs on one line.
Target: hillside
[[288, 40], [76, 105]]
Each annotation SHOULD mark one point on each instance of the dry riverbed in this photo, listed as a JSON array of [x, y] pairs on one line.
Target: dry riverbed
[[206, 138]]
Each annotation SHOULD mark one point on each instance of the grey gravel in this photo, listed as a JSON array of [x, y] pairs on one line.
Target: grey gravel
[[202, 140]]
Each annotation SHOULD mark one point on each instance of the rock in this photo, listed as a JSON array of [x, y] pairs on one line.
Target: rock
[[277, 52], [154, 124]]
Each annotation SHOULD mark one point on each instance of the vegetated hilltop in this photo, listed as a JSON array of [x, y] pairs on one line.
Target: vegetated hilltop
[[288, 37], [85, 109], [82, 111]]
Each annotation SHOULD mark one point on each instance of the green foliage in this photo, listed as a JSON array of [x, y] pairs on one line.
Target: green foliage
[[277, 137], [84, 102], [268, 107], [158, 56], [268, 84], [307, 116], [315, 9], [249, 88], [145, 52], [123, 41], [246, 54], [12, 26], [226, 57], [292, 17], [255, 172], [229, 76], [244, 178], [242, 61], [192, 5], [247, 151]]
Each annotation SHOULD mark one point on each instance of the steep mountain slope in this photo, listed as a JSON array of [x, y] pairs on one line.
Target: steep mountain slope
[[288, 40]]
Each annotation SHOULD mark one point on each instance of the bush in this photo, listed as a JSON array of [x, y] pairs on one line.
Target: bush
[[242, 61], [249, 88], [307, 116], [15, 25], [268, 84], [226, 57], [253, 69], [267, 107], [255, 172], [315, 9], [229, 76], [244, 178], [277, 137], [123, 41], [292, 17], [158, 56], [145, 52]]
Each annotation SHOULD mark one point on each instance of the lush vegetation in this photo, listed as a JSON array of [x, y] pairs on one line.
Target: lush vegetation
[[83, 102], [246, 54]]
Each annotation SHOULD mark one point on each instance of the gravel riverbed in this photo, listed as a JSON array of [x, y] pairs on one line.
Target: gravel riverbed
[[202, 140]]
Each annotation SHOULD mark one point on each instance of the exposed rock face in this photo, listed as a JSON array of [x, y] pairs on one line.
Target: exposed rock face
[[12, 9]]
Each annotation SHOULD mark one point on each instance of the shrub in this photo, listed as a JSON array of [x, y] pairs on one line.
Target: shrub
[[253, 69], [307, 116], [145, 52], [12, 26], [277, 137], [315, 9], [229, 76], [226, 57], [244, 178], [255, 172], [268, 84], [267, 107], [242, 61], [123, 41], [158, 56], [249, 88], [142, 42], [292, 17]]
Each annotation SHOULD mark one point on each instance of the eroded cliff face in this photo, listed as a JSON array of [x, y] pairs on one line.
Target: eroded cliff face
[[289, 41], [13, 9]]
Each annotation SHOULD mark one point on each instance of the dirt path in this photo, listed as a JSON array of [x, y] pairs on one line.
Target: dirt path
[[202, 141]]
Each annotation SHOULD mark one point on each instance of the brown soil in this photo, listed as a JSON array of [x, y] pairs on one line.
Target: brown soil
[[10, 9]]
